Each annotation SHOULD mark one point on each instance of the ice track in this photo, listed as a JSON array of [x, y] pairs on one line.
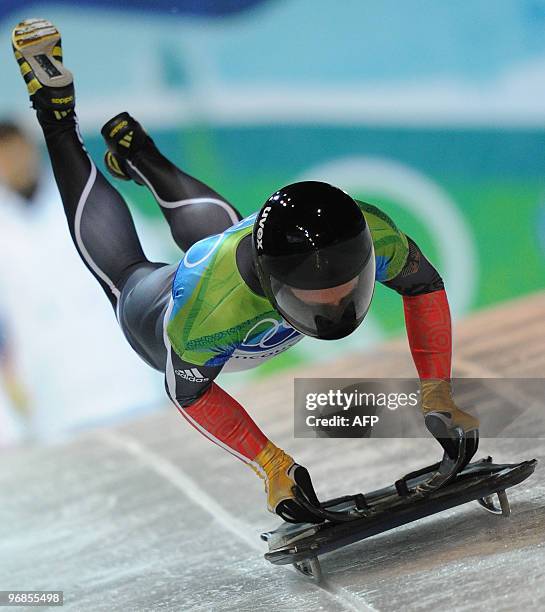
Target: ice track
[[151, 516]]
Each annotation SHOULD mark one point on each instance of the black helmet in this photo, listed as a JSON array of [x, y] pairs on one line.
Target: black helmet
[[315, 258]]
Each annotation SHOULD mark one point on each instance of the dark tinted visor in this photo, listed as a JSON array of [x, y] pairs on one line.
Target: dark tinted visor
[[329, 314], [314, 268]]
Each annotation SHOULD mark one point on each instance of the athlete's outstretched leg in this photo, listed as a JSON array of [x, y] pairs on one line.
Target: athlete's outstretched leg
[[192, 209], [98, 218]]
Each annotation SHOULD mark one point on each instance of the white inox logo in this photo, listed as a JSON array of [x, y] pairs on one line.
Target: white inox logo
[[192, 375], [262, 227]]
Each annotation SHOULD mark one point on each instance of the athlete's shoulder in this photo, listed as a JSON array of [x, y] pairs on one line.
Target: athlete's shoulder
[[390, 243], [209, 258], [377, 218]]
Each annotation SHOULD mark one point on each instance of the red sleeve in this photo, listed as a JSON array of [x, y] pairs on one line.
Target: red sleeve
[[224, 421], [427, 318]]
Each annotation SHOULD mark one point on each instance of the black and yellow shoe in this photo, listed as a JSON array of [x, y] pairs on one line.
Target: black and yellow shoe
[[116, 167], [124, 137], [38, 51], [285, 480]]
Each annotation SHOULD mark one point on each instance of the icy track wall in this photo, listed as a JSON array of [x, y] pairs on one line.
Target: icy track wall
[[150, 516]]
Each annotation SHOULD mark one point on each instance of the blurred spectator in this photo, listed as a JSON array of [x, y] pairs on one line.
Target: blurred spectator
[[63, 361], [19, 175]]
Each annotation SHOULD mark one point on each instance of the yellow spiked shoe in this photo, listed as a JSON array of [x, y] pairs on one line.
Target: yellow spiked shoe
[[38, 51]]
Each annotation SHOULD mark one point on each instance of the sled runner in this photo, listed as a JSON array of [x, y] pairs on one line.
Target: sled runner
[[353, 518]]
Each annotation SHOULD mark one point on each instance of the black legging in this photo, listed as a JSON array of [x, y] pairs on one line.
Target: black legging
[[192, 209], [103, 231]]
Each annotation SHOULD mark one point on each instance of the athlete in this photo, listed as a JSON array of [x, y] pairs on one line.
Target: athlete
[[246, 289]]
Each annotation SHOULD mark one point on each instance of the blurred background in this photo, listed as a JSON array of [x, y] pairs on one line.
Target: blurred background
[[431, 109]]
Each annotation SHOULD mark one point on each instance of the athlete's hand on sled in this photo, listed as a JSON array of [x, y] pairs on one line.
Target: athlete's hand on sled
[[293, 497], [455, 430], [289, 489]]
